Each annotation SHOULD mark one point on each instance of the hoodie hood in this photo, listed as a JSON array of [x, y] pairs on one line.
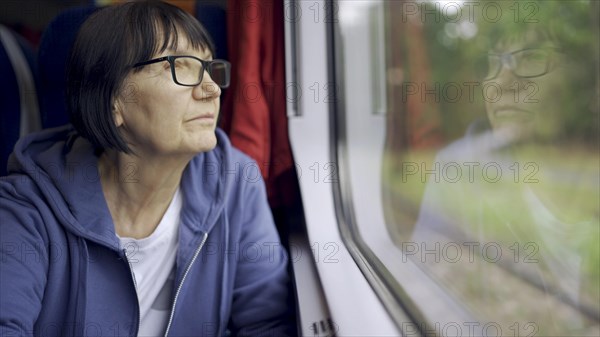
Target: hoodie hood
[[64, 167]]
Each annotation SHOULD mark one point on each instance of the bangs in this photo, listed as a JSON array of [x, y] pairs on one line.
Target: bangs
[[155, 28], [529, 36]]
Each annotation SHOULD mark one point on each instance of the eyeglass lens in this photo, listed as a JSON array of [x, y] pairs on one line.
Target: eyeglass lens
[[190, 71], [524, 63]]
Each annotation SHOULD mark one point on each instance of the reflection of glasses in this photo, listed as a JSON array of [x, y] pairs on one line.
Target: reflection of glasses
[[189, 70], [527, 63]]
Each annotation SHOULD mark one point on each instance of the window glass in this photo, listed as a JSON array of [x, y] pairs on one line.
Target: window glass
[[471, 139]]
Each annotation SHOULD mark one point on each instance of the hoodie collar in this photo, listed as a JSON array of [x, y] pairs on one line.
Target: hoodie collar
[[64, 166]]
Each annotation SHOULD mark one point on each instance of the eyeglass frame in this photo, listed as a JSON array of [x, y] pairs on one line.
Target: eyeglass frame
[[171, 59], [503, 62]]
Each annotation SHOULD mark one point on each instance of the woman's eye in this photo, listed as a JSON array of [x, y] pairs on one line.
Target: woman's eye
[[534, 56]]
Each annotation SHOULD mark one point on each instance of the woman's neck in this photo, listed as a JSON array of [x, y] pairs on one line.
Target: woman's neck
[[138, 191]]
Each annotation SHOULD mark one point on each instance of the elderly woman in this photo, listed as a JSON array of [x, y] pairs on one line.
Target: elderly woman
[[136, 220]]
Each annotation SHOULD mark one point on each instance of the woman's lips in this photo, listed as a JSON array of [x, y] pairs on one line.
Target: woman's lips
[[205, 120], [204, 117], [512, 112]]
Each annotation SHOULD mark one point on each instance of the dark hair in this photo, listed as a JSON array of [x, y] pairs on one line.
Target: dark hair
[[107, 45]]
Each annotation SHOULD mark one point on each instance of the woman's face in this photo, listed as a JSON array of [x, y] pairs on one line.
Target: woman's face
[[528, 109], [158, 117]]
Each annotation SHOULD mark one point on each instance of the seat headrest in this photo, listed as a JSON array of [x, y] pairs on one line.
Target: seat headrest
[[55, 46], [19, 112]]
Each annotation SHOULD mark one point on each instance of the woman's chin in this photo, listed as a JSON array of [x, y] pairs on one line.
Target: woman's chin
[[205, 142], [512, 134]]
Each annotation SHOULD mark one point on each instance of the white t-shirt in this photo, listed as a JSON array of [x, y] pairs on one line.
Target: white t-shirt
[[152, 260]]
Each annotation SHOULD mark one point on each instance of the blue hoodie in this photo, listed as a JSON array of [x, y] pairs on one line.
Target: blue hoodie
[[63, 272]]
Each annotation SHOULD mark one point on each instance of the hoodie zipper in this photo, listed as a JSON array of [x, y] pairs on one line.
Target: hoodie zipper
[[139, 314], [187, 270]]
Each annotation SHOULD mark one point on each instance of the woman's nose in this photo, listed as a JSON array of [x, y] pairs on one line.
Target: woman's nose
[[506, 78], [207, 89]]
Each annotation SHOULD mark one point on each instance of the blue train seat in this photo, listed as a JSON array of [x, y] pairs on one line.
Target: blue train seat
[[214, 19], [19, 110], [56, 43]]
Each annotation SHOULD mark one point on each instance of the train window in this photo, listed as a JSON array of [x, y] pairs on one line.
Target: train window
[[468, 147]]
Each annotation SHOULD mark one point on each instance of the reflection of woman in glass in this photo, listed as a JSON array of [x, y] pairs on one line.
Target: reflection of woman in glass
[[532, 187]]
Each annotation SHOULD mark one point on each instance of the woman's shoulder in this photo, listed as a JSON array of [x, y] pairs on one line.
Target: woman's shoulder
[[22, 209], [18, 187]]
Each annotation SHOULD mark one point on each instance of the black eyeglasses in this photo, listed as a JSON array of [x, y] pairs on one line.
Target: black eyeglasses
[[189, 70], [525, 63]]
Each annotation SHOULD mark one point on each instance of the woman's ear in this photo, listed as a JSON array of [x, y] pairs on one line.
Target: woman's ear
[[117, 112]]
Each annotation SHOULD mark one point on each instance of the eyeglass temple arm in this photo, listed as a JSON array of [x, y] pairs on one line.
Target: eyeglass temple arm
[[160, 59]]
